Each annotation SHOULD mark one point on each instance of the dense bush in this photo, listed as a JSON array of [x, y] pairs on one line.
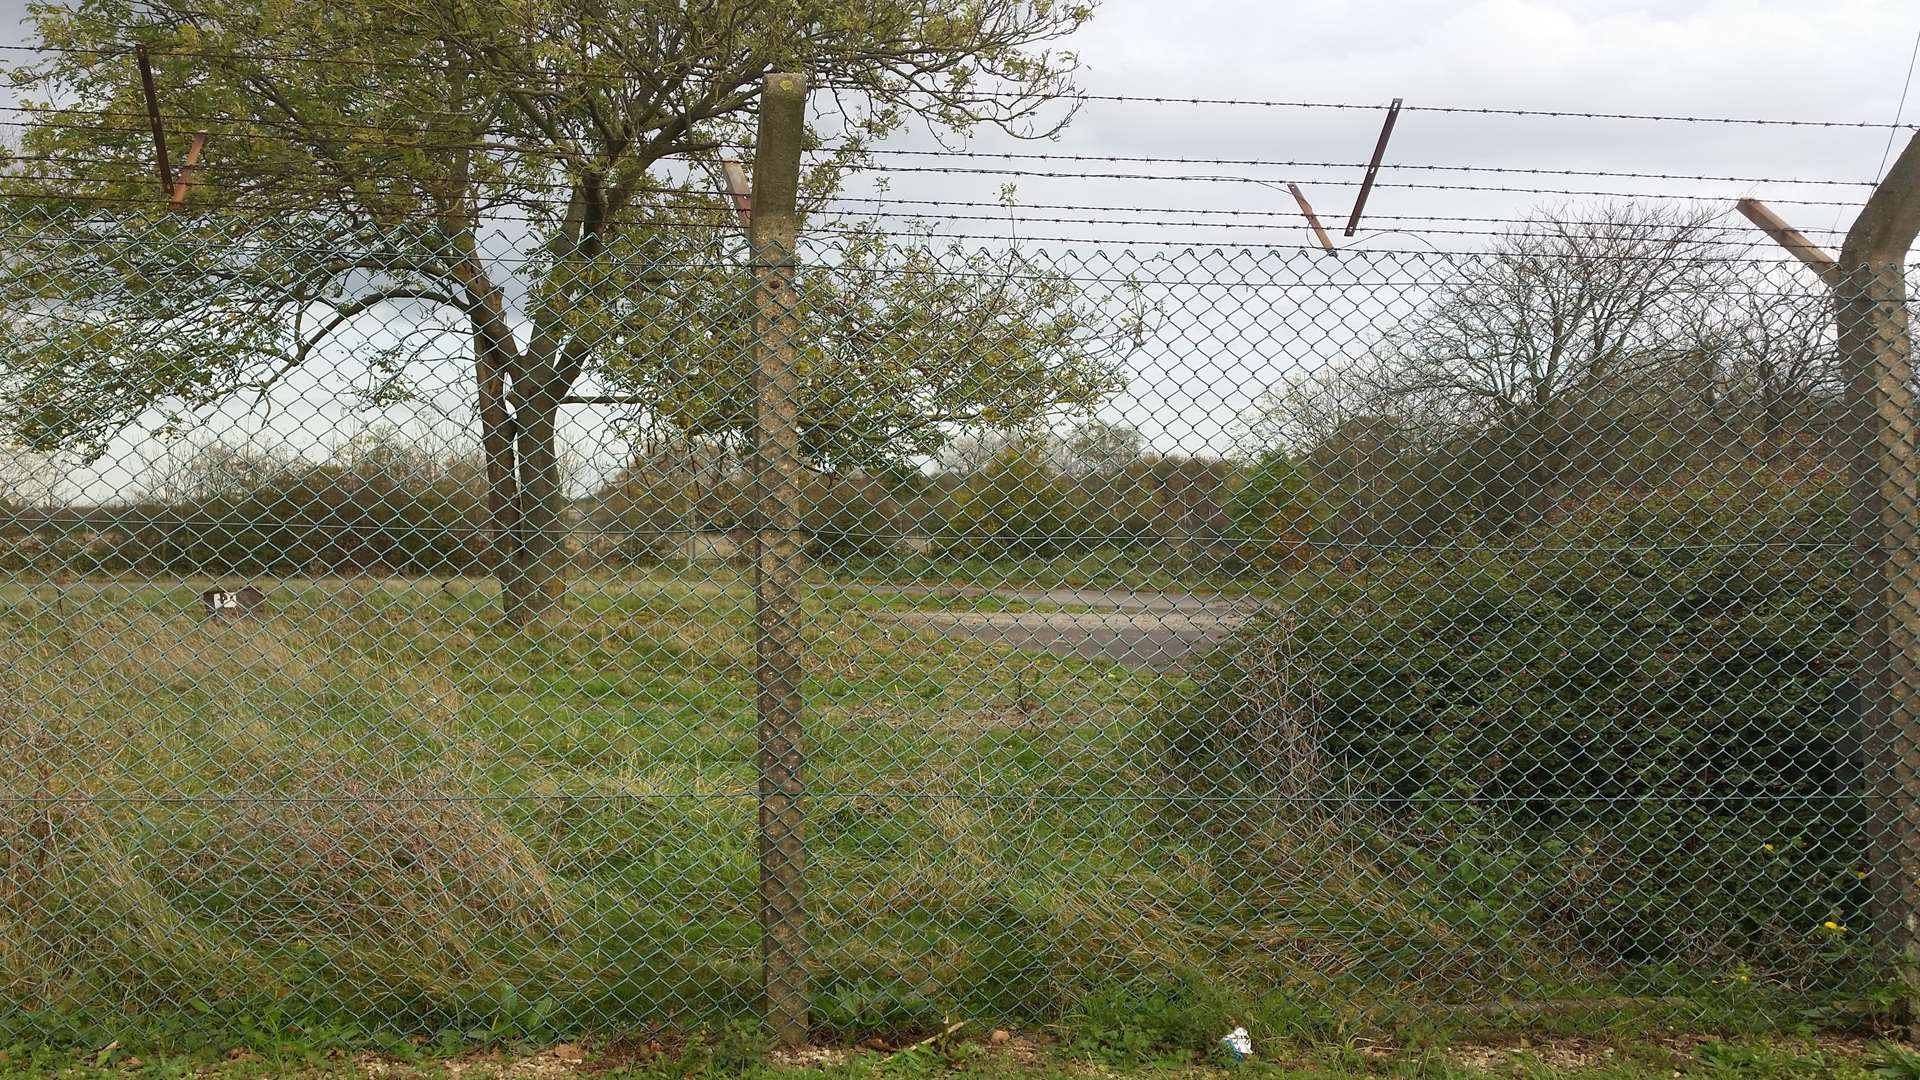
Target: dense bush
[[1638, 711], [325, 524], [1018, 504]]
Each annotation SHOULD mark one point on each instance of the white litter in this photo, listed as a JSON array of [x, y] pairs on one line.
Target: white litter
[[1238, 1043]]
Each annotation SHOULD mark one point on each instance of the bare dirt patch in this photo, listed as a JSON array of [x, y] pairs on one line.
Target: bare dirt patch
[[1038, 1052], [553, 1063]]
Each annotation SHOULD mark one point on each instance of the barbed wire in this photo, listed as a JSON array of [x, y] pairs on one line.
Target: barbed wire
[[996, 204], [723, 219], [276, 127], [504, 192], [1231, 179], [1287, 164], [1011, 211], [531, 184], [1049, 174], [1563, 114], [1289, 212], [246, 128], [1075, 96]]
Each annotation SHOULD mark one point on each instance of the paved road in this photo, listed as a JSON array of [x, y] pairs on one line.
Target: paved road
[[1151, 630], [1077, 596]]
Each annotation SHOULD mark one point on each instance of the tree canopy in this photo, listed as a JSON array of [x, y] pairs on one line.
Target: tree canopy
[[527, 181]]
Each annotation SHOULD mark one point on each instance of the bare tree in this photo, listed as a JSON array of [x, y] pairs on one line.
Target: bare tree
[[190, 472], [1096, 447], [1304, 414], [28, 479], [674, 484], [1569, 318], [1778, 364], [975, 449], [1355, 433], [1562, 305]]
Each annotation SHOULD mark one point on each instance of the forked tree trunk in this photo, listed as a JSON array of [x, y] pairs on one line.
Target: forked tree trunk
[[526, 496], [526, 500], [518, 394]]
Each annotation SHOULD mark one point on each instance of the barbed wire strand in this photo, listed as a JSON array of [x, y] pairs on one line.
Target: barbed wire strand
[[1073, 96]]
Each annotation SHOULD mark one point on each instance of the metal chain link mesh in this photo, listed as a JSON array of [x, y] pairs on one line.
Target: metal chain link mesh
[[1497, 634]]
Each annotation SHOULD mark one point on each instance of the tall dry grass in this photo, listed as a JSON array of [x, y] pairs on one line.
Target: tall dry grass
[[120, 884]]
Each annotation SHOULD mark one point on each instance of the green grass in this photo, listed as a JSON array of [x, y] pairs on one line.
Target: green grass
[[374, 814]]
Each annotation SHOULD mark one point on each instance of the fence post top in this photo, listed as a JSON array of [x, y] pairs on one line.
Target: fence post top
[[1888, 223], [785, 82]]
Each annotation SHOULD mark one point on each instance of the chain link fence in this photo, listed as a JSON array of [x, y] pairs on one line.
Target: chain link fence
[[1475, 634]]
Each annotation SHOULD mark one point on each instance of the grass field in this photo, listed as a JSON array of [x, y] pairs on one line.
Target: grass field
[[371, 813]]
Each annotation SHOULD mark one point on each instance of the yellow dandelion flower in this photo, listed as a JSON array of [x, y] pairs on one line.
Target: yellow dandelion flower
[[1766, 847], [1834, 926]]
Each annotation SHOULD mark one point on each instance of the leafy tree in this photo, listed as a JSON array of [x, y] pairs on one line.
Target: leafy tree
[[899, 342], [497, 171], [1275, 504]]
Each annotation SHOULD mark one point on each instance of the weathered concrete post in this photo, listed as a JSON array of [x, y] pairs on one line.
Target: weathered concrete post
[[1870, 304], [776, 474]]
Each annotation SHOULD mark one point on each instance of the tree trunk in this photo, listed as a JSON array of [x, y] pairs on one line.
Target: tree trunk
[[518, 393], [533, 579], [1516, 469], [526, 498], [1774, 435], [526, 504]]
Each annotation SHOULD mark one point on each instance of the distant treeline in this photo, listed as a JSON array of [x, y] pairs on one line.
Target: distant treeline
[[379, 504], [383, 505]]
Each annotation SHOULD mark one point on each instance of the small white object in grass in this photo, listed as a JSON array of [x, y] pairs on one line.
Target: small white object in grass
[[1238, 1043], [222, 603]]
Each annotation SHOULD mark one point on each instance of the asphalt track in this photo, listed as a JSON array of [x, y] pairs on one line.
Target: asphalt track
[[1149, 630]]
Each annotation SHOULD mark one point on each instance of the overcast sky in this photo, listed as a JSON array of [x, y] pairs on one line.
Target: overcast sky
[[1784, 59], [1219, 348], [1830, 60]]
